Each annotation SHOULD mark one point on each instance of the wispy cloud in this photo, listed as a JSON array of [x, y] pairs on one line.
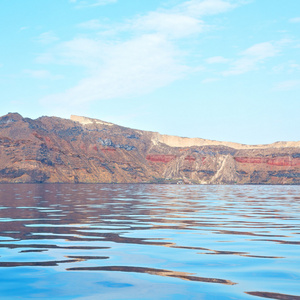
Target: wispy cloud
[[287, 67], [91, 3], [24, 28], [217, 60], [42, 74], [174, 25], [91, 24], [143, 55], [251, 58], [129, 68], [287, 85], [80, 51], [294, 20], [47, 38], [207, 7], [210, 80]]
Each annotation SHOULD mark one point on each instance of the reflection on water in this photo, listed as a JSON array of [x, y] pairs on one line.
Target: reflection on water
[[68, 241]]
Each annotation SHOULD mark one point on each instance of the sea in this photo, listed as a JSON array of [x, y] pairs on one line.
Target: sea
[[144, 241]]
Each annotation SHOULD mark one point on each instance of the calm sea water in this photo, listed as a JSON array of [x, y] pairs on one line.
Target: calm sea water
[[93, 241]]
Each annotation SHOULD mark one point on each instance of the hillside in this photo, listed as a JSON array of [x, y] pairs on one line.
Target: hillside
[[51, 149]]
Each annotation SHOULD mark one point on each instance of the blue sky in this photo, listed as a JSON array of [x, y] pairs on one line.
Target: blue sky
[[225, 70]]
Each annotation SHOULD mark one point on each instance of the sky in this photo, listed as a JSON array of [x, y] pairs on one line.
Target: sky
[[226, 70]]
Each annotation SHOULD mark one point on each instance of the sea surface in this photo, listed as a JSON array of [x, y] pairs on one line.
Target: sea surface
[[138, 241]]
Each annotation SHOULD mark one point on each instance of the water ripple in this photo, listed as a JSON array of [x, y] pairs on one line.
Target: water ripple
[[185, 237]]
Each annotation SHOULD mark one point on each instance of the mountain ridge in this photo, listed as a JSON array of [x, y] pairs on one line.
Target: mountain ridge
[[190, 142], [86, 150]]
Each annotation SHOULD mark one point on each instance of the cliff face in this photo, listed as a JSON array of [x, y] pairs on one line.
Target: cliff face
[[51, 149]]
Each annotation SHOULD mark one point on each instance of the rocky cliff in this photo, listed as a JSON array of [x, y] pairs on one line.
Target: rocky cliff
[[51, 149]]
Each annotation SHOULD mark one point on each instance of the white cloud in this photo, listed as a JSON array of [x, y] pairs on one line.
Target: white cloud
[[288, 85], [143, 54], [130, 68], [207, 7], [287, 67], [251, 58], [294, 20], [47, 38], [91, 3], [294, 67], [42, 74], [91, 24], [261, 51], [209, 80], [216, 60], [170, 24], [79, 51]]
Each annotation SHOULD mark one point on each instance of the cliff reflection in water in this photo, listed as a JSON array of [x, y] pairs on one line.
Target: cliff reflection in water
[[246, 237]]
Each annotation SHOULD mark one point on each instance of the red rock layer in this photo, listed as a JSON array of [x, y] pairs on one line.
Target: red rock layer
[[277, 161], [160, 158], [190, 158]]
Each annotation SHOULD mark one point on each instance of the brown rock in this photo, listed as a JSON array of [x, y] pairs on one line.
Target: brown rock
[[51, 149]]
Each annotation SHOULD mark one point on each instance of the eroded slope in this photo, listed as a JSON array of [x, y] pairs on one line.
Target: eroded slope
[[51, 149]]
